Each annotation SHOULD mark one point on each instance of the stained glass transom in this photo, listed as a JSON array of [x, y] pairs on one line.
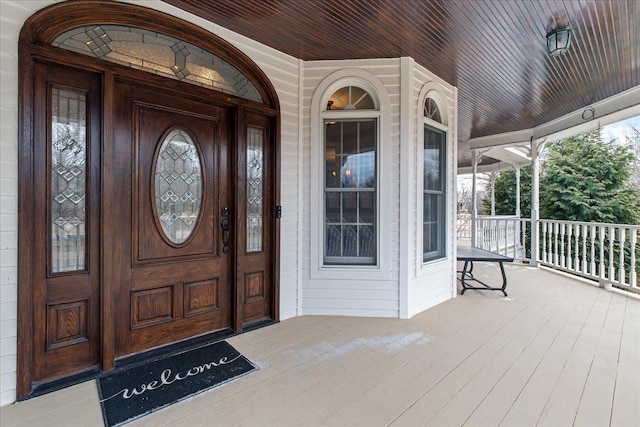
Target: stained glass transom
[[178, 186], [159, 54], [351, 98], [255, 188], [68, 179]]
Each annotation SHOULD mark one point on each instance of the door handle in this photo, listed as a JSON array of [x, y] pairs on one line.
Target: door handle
[[226, 230]]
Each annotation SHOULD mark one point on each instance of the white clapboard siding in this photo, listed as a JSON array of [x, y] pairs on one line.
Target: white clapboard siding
[[378, 296], [433, 282]]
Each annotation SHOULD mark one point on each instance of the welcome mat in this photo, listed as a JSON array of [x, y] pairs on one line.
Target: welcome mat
[[139, 390]]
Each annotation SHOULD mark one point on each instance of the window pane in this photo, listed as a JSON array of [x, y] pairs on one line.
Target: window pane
[[332, 207], [367, 136], [350, 241], [332, 241], [430, 240], [433, 152], [255, 183], [349, 137], [350, 207], [68, 180], [350, 197], [367, 240], [351, 98], [178, 186], [333, 154], [367, 207]]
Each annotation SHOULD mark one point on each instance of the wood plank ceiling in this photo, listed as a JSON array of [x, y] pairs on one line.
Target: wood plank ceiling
[[493, 51]]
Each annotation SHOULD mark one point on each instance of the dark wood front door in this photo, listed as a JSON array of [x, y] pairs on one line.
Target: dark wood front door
[[171, 218]]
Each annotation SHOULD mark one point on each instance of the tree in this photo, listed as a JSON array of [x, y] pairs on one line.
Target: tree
[[587, 179], [505, 193]]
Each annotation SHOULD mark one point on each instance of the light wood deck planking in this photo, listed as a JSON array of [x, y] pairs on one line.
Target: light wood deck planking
[[556, 352]]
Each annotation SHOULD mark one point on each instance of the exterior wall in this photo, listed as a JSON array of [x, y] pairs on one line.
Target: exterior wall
[[351, 290], [434, 282], [282, 70]]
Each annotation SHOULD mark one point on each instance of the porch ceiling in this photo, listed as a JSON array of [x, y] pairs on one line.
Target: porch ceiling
[[493, 51]]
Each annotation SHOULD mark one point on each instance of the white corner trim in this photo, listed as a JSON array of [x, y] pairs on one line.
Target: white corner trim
[[407, 190]]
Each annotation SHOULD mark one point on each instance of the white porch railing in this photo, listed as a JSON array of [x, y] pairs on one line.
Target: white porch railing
[[607, 253], [506, 235]]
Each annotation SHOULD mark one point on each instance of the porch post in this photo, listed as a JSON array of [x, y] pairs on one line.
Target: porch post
[[517, 191], [492, 179], [535, 201], [474, 201]]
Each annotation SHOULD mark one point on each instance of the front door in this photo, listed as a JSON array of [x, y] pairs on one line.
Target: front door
[[171, 214]]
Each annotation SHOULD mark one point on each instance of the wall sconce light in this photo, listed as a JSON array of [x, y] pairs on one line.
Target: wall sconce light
[[558, 41]]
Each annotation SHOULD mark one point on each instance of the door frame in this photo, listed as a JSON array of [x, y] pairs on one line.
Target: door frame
[[35, 44]]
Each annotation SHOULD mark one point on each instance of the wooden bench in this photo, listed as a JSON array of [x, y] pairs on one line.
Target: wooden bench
[[468, 255]]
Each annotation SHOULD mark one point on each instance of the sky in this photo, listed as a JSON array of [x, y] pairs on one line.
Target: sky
[[618, 130]]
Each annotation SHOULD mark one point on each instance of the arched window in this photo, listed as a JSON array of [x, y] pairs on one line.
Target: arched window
[[434, 181], [350, 177]]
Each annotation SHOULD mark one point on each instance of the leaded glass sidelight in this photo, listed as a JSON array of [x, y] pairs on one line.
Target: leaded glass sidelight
[[68, 180], [178, 186], [255, 188]]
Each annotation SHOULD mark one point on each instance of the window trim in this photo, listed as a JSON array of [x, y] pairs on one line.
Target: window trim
[[331, 83], [433, 90], [440, 252]]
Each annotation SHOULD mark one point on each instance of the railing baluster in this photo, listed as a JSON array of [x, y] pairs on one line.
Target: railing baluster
[[633, 278], [612, 237], [601, 272], [593, 253], [569, 264], [585, 233], [562, 259], [576, 248], [556, 227], [622, 279]]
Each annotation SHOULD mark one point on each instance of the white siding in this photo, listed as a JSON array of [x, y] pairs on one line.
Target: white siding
[[347, 292], [282, 70], [434, 282]]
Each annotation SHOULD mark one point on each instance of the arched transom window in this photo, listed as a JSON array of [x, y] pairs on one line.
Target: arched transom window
[[159, 54]]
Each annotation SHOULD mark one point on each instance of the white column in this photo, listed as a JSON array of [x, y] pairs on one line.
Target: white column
[[535, 201], [517, 191], [474, 201], [492, 179]]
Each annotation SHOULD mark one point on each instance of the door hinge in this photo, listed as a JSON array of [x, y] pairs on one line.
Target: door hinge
[[278, 211]]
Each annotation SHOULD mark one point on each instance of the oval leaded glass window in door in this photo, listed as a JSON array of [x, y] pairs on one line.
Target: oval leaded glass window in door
[[178, 186]]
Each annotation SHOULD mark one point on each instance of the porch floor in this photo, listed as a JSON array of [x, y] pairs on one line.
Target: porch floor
[[555, 352]]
